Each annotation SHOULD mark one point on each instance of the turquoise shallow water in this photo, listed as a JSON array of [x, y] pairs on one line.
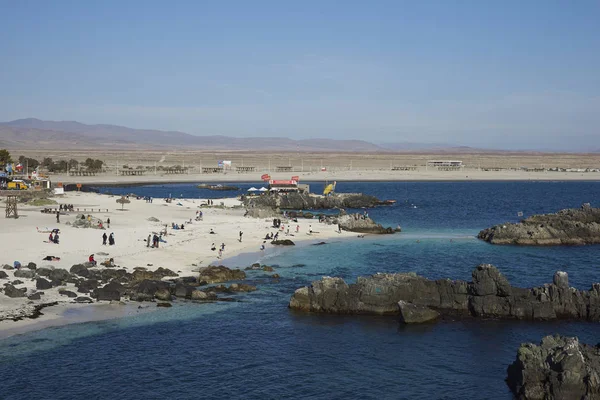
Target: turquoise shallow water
[[257, 348]]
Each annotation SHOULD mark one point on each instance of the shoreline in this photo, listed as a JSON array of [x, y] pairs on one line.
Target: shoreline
[[341, 176], [182, 253]]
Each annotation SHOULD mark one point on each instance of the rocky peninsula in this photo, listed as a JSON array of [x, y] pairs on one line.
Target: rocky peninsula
[[416, 299], [305, 201], [574, 226], [560, 368]]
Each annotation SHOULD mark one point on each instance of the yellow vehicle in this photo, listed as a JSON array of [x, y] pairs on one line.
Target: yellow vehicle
[[16, 185]]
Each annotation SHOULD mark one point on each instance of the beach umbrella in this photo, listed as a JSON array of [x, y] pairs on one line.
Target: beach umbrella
[[263, 189], [252, 189]]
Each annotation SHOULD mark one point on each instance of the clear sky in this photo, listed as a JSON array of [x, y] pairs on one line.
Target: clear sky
[[503, 74]]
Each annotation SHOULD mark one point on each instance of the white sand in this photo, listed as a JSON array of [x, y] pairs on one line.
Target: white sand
[[185, 251]]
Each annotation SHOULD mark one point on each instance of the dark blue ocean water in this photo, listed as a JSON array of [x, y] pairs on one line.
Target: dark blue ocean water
[[257, 348]]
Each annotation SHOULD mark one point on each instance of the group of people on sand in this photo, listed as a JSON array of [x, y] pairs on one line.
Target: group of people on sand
[[54, 237], [65, 207], [156, 239], [111, 239]]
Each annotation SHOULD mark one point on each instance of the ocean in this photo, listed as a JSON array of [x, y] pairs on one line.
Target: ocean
[[257, 348]]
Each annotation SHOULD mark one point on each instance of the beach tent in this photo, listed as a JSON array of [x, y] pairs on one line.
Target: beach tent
[[252, 189], [263, 189]]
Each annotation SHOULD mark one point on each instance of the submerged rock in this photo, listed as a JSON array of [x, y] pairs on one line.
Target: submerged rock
[[559, 368], [574, 226], [488, 295]]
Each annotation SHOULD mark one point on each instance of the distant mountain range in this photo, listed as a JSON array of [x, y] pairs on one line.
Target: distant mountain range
[[71, 135], [25, 133]]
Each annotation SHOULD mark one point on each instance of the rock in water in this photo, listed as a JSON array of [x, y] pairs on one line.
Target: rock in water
[[213, 274], [360, 224], [559, 368], [489, 295], [284, 242], [574, 226], [413, 314]]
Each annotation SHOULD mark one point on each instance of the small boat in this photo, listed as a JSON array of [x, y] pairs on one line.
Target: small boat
[[216, 187]]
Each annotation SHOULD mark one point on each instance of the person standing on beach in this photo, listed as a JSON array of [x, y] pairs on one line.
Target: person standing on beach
[[222, 246], [104, 237], [111, 239], [148, 240], [297, 228], [108, 223], [241, 233], [58, 217]]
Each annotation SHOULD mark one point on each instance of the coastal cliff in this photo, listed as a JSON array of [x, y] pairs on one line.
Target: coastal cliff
[[418, 299], [559, 368], [574, 226], [303, 201]]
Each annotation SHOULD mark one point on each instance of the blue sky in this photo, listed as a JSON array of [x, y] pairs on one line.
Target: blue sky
[[504, 74]]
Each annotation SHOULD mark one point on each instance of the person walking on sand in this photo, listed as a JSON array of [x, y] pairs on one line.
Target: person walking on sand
[[148, 240], [50, 238], [241, 233], [222, 246], [108, 223], [104, 237], [297, 228], [111, 239], [58, 217], [220, 254]]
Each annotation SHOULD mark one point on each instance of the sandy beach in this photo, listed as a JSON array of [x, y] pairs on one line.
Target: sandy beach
[[185, 251], [421, 174]]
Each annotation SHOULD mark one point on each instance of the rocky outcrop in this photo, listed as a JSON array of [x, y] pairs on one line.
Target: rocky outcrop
[[361, 224], [488, 295], [573, 226], [283, 242], [87, 221], [559, 368], [214, 274], [12, 291], [24, 273], [302, 201]]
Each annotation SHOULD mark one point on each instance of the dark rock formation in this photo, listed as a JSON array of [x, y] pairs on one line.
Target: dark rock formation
[[163, 294], [414, 314], [42, 284], [31, 265], [12, 291], [67, 293], [488, 295], [359, 223], [140, 275], [573, 226], [559, 368], [165, 305], [83, 299], [44, 271], [87, 286], [59, 274], [35, 296], [80, 270], [24, 273], [203, 296], [300, 201], [3, 275], [107, 294], [214, 274], [233, 288], [283, 242]]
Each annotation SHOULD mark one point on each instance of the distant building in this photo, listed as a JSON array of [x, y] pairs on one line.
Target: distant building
[[444, 163]]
